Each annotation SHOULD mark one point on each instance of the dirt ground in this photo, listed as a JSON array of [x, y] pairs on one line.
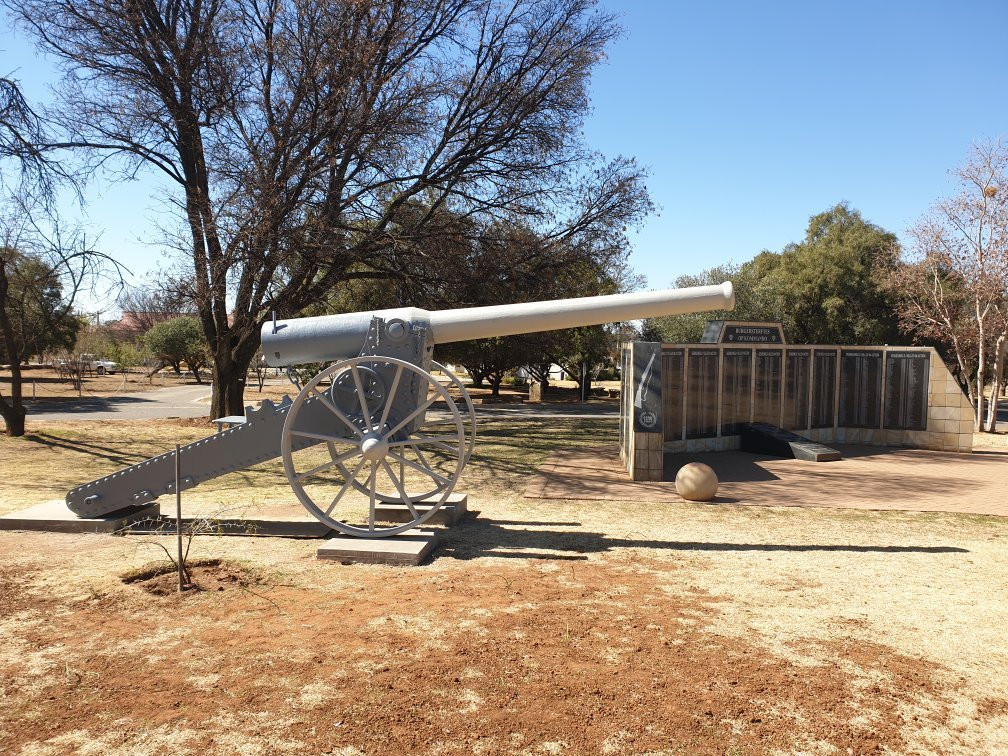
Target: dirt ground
[[541, 626]]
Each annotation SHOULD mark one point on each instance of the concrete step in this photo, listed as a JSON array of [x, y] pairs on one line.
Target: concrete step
[[406, 549], [453, 510], [763, 438]]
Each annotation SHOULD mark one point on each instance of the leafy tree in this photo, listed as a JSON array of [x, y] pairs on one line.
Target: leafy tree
[[829, 288], [295, 133], [179, 340], [33, 301]]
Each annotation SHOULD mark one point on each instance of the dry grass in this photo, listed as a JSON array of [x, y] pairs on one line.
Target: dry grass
[[834, 626]]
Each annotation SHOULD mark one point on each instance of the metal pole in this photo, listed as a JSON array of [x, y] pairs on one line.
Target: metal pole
[[178, 514]]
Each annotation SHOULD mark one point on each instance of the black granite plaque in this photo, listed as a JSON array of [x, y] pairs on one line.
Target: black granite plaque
[[767, 396], [712, 332], [906, 390], [824, 388], [647, 400], [673, 395], [796, 389], [860, 388], [751, 334], [701, 394], [736, 390]]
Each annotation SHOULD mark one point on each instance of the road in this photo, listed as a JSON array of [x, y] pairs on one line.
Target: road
[[178, 401], [184, 401]]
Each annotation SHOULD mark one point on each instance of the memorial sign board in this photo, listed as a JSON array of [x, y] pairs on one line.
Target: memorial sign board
[[906, 390], [824, 374], [745, 333], [673, 393], [702, 393], [736, 390], [647, 402], [860, 388], [796, 389], [767, 404]]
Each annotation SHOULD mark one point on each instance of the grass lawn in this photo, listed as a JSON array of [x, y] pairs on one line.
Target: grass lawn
[[542, 626]]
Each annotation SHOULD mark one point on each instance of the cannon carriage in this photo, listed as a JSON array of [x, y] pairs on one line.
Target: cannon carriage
[[376, 425]]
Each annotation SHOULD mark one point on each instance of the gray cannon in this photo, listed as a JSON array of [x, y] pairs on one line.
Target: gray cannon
[[376, 425]]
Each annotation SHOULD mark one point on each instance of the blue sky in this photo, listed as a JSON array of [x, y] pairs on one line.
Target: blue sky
[[751, 117]]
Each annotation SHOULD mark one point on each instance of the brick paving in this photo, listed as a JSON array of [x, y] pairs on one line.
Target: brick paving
[[868, 477]]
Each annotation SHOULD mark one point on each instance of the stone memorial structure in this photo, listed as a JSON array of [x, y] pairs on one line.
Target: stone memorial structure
[[695, 397]]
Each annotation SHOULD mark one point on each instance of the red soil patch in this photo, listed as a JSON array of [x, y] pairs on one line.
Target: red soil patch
[[403, 663]]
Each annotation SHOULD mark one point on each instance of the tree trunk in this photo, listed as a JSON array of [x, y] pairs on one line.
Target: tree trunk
[[14, 418], [981, 375], [228, 391], [495, 383], [13, 411], [999, 357]]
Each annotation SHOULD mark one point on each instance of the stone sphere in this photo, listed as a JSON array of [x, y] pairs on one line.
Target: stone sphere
[[695, 481]]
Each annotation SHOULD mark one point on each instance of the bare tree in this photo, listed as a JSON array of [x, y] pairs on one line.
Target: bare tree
[[296, 131], [146, 306], [21, 139], [954, 290]]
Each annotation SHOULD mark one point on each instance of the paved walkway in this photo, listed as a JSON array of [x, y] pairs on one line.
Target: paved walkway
[[867, 477]]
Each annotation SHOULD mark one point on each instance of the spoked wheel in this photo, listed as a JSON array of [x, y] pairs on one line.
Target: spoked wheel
[[370, 413], [469, 418], [427, 438]]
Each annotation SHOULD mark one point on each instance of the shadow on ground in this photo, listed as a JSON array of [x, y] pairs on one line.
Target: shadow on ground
[[479, 538]]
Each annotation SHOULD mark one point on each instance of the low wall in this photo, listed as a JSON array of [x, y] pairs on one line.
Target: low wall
[[690, 398]]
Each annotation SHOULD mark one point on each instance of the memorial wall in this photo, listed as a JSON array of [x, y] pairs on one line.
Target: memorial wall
[[696, 396]]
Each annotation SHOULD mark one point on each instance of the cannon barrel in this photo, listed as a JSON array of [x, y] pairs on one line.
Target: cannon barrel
[[331, 337]]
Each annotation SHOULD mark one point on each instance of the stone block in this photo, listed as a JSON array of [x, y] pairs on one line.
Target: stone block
[[406, 549], [449, 513], [54, 516]]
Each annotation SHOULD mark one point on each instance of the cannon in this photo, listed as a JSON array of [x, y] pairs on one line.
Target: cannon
[[375, 425]]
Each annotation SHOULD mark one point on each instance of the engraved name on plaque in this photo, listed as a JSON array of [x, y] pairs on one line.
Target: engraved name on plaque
[[673, 395], [860, 388], [796, 389], [768, 386], [906, 390], [735, 390], [824, 388], [702, 393]]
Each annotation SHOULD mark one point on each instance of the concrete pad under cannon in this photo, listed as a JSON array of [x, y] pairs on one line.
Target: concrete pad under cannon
[[453, 510], [54, 516], [256, 525], [406, 549]]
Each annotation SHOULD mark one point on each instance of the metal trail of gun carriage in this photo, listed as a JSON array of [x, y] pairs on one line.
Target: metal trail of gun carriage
[[369, 408]]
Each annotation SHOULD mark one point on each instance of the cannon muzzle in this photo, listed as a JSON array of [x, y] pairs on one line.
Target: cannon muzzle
[[331, 337]]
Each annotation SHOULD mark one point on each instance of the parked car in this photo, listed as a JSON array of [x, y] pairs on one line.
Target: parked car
[[98, 365]]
